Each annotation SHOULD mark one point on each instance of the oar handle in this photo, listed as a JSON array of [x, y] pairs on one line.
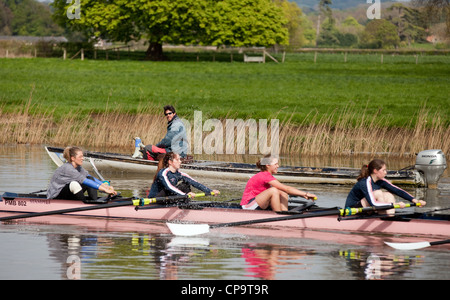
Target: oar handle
[[168, 199], [353, 211]]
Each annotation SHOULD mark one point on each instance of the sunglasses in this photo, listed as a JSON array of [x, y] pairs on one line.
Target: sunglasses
[[168, 114]]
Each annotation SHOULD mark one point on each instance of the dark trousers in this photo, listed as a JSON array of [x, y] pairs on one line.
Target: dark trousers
[[182, 186], [68, 195]]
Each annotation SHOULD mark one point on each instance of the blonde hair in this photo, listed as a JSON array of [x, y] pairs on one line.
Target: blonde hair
[[70, 152]]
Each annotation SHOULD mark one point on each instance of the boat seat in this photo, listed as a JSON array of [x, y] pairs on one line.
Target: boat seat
[[102, 200]]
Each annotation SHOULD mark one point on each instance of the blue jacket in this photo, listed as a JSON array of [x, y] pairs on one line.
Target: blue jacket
[[365, 188], [175, 139], [168, 182]]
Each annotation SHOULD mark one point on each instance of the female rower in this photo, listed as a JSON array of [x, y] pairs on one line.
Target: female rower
[[169, 181], [263, 190], [367, 191], [71, 180]]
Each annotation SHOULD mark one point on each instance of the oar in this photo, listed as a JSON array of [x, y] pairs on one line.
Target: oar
[[96, 170], [123, 202], [417, 245], [197, 229]]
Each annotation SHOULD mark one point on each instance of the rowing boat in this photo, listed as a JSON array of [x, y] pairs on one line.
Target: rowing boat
[[214, 212], [111, 162]]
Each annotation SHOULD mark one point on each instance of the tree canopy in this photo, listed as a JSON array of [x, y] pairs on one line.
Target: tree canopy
[[410, 22], [26, 17], [200, 22], [380, 33], [435, 11]]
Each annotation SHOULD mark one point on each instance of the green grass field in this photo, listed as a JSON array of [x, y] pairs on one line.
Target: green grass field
[[298, 88]]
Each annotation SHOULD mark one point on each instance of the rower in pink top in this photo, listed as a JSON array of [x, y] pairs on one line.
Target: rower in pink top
[[263, 190]]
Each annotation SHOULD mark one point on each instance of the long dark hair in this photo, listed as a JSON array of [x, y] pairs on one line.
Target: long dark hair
[[164, 162], [367, 170]]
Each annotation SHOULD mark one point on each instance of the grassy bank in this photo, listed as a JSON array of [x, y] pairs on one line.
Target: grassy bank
[[358, 102]]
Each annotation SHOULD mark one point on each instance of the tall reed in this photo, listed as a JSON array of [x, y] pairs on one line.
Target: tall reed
[[341, 132], [112, 129], [369, 135]]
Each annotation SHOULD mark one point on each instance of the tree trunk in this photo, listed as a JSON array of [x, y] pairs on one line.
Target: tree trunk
[[155, 52]]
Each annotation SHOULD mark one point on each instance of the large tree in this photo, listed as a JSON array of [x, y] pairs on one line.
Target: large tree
[[203, 22], [297, 23], [436, 11], [380, 33], [409, 22]]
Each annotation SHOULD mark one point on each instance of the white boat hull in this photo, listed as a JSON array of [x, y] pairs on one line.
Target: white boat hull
[[208, 169]]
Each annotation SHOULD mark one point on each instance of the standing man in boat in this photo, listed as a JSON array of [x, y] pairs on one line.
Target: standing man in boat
[[367, 191], [175, 139], [170, 181], [264, 191], [71, 180]]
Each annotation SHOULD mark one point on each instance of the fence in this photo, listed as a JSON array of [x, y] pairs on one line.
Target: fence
[[401, 55], [13, 49]]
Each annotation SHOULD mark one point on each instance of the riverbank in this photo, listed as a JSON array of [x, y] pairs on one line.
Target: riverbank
[[330, 107], [321, 137]]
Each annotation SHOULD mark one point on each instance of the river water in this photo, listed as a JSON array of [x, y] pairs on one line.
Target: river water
[[81, 248]]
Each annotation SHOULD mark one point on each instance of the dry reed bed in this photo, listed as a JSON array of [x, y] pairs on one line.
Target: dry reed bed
[[333, 134], [369, 135]]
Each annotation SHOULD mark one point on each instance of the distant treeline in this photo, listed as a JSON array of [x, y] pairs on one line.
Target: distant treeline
[[28, 18], [401, 24]]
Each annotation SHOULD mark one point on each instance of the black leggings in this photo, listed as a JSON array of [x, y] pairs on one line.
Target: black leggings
[[182, 186], [68, 195]]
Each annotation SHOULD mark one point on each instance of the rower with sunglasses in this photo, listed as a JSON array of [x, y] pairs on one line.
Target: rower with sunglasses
[[175, 139]]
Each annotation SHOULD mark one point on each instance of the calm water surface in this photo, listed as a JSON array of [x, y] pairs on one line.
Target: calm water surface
[[77, 248]]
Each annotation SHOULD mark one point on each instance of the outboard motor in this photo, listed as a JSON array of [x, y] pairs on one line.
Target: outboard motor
[[432, 164]]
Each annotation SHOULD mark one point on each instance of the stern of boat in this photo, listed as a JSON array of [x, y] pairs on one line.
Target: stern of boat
[[56, 157]]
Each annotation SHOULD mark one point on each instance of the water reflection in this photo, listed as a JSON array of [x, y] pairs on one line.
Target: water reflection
[[77, 253], [24, 168], [266, 261], [379, 266]]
